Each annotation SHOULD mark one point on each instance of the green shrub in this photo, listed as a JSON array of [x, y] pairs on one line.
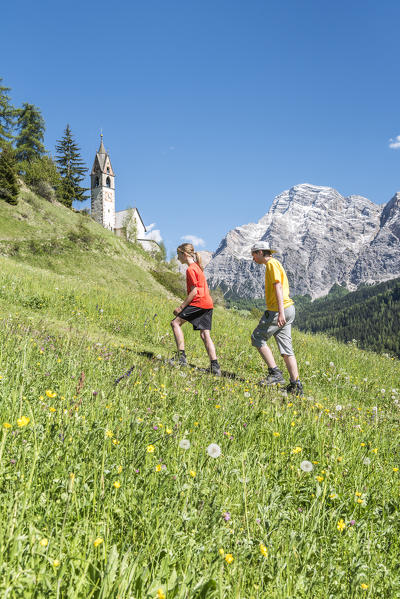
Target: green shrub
[[173, 281]]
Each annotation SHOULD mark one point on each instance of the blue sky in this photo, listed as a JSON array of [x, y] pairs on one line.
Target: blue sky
[[210, 109]]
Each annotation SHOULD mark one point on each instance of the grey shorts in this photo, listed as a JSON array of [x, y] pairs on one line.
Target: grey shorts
[[268, 327]]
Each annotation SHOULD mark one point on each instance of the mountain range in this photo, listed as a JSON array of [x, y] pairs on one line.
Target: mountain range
[[321, 238]]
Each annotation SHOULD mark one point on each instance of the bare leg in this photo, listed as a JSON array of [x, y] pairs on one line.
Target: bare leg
[[209, 345], [291, 365], [267, 356], [178, 333]]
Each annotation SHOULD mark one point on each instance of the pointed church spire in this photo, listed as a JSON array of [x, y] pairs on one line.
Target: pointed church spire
[[101, 149]]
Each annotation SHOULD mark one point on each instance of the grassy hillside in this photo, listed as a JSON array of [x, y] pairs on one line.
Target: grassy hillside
[[107, 488]]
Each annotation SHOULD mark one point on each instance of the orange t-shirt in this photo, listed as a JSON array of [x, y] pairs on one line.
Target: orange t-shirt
[[195, 278]]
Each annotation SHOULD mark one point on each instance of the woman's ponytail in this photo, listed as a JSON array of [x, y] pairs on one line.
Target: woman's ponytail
[[198, 259]]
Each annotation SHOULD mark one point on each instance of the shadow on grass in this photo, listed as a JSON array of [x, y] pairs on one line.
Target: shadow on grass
[[224, 374]]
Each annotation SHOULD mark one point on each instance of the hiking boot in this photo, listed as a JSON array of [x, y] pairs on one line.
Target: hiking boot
[[295, 388], [275, 377], [178, 360], [215, 369]]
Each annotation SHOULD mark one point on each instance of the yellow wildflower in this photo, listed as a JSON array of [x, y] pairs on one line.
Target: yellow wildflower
[[358, 494], [276, 434], [332, 496], [150, 449], [341, 525], [168, 431], [362, 444], [23, 421], [50, 393], [6, 425], [229, 558], [44, 542], [297, 450], [221, 552], [375, 450], [158, 468], [98, 541], [56, 563], [115, 441], [119, 469], [117, 484], [193, 473], [394, 469], [263, 550], [109, 434], [319, 478], [52, 409], [364, 586], [160, 594]]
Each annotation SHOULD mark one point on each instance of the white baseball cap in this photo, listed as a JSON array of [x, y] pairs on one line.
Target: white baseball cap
[[261, 245]]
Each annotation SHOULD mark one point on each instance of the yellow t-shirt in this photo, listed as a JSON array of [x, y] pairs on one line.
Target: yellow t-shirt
[[275, 273]]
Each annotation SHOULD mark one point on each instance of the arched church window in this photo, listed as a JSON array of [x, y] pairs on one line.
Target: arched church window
[[108, 182], [108, 169], [97, 182]]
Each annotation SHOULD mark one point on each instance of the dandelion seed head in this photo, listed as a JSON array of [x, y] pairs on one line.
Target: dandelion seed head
[[306, 466], [214, 450]]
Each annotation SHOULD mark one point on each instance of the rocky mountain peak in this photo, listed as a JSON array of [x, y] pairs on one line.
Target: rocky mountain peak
[[320, 237]]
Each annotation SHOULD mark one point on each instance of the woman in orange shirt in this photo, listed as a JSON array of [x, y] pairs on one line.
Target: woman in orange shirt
[[197, 308]]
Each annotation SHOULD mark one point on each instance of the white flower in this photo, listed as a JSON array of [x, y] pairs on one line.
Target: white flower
[[176, 417], [331, 364], [306, 466], [184, 444], [338, 408], [382, 391], [214, 450], [246, 394], [307, 363], [366, 461]]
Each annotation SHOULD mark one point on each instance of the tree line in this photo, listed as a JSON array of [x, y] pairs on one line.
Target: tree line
[[370, 316], [23, 156]]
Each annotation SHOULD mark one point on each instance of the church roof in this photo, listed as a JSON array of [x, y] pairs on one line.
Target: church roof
[[121, 215], [101, 159]]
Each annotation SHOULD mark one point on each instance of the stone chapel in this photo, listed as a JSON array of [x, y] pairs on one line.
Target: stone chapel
[[127, 223]]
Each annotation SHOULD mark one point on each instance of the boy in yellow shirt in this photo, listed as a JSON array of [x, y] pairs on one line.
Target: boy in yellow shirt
[[276, 320]]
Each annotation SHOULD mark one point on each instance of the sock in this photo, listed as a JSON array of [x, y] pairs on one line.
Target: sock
[[214, 362], [181, 352]]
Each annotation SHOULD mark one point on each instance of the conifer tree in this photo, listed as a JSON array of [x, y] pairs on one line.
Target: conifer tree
[[71, 168], [29, 141], [9, 187], [7, 116]]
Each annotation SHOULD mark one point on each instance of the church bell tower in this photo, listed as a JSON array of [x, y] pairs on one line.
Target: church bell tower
[[102, 187]]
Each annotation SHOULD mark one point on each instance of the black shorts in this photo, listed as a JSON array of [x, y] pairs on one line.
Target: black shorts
[[200, 318]]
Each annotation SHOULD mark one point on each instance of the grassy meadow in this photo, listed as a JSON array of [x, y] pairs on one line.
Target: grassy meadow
[[123, 477]]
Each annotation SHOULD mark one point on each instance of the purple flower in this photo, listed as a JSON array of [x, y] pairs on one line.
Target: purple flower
[[300, 509], [352, 522], [244, 424], [13, 461], [226, 516], [258, 520], [137, 470], [95, 392], [155, 428]]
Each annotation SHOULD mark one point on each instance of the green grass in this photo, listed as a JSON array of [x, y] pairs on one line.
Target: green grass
[[75, 328]]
